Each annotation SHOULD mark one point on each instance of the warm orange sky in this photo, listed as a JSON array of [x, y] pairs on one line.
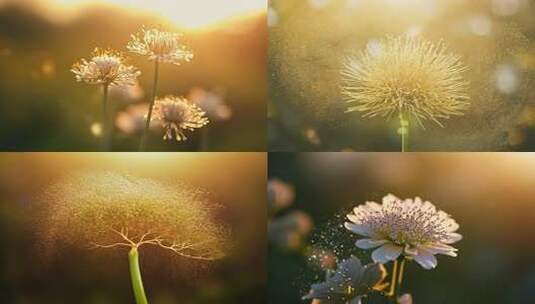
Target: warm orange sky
[[189, 14]]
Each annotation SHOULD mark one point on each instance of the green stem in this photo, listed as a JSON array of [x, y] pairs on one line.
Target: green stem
[[151, 106], [135, 276], [404, 132], [106, 132]]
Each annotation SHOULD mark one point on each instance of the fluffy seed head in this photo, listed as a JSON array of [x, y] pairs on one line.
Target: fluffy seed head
[[160, 45], [105, 67], [413, 227], [177, 114], [109, 210], [406, 75]]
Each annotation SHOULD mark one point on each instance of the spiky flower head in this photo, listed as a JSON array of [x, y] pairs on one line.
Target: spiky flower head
[[160, 45], [106, 67], [177, 114], [411, 227], [406, 75], [109, 210]]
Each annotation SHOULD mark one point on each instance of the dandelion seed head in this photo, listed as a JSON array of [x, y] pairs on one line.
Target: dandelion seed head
[[86, 209], [177, 114], [411, 226], [105, 67], [405, 75], [160, 45]]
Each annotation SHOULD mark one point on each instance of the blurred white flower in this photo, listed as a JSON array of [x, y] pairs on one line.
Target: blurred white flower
[[413, 228], [280, 194], [290, 230], [480, 25], [405, 299], [129, 93], [506, 78], [212, 103], [132, 119]]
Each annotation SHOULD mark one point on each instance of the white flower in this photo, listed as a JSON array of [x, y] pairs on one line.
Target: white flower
[[413, 228], [105, 67], [160, 45], [177, 114]]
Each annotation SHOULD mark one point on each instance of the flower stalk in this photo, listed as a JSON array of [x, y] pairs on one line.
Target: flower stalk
[[135, 276], [404, 131], [142, 144], [396, 281], [106, 126]]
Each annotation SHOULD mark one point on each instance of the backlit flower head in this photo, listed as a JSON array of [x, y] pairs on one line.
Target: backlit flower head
[[160, 45], [406, 75], [177, 114], [109, 210], [413, 228], [105, 67]]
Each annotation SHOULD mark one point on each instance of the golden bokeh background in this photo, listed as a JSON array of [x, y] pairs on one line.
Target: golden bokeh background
[[45, 109]]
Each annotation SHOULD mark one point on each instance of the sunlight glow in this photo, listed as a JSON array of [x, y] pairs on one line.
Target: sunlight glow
[[187, 14]]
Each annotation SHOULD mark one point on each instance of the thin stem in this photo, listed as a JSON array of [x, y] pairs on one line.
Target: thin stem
[[151, 106], [397, 279], [404, 132], [393, 280], [401, 271], [106, 132], [135, 276]]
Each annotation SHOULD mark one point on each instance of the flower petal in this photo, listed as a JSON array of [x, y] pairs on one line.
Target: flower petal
[[439, 249], [358, 229], [369, 243], [409, 250], [453, 238], [426, 259], [390, 198], [385, 253], [353, 218]]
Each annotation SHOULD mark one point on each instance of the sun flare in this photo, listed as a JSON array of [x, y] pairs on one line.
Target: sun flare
[[183, 13]]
